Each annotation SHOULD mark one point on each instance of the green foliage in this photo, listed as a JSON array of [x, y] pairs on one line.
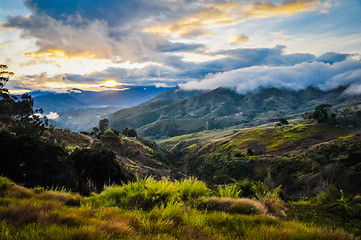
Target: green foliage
[[172, 211], [191, 188], [322, 113], [5, 183], [99, 167], [229, 191], [142, 194], [38, 189], [129, 132], [260, 190], [329, 195], [103, 125], [17, 115], [48, 215]]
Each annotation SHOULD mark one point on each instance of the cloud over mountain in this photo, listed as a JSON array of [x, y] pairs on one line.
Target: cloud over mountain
[[319, 74]]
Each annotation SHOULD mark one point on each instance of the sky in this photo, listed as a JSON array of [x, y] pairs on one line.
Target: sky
[[98, 45]]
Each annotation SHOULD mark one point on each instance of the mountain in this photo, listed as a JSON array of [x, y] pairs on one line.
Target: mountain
[[176, 94], [74, 99], [132, 96], [57, 101], [169, 116], [81, 119], [81, 110]]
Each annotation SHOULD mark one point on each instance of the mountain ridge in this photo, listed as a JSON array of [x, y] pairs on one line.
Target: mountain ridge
[[223, 107]]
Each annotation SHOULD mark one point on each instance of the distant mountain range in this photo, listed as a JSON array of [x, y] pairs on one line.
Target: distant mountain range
[[80, 110], [179, 112]]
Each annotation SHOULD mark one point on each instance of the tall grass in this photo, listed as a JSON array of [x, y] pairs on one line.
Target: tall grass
[[229, 191], [192, 188], [148, 193], [169, 215]]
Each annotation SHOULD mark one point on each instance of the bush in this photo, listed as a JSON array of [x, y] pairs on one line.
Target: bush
[[142, 194], [172, 211], [192, 188], [330, 195], [5, 183], [230, 191]]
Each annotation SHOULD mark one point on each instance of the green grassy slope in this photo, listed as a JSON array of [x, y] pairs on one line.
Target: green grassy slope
[[149, 209], [304, 158]]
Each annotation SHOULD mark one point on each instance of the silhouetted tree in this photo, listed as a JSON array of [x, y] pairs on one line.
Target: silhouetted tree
[[103, 125], [17, 115], [100, 167], [4, 77], [95, 132], [129, 132], [282, 121], [322, 113]]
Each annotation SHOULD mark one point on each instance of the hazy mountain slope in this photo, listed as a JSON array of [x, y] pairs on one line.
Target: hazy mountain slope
[[130, 97], [57, 101], [176, 94], [223, 108], [81, 119], [81, 110]]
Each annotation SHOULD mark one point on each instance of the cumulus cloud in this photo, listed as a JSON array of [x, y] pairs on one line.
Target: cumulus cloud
[[322, 75], [52, 115]]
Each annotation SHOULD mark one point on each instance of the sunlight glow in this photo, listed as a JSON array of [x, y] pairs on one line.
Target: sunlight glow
[[110, 83]]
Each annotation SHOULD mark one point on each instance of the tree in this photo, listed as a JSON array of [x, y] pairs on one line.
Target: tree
[[17, 115], [103, 125], [282, 121], [129, 132], [322, 113]]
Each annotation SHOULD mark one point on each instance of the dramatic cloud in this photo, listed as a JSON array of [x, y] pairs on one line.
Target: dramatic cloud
[[83, 43], [228, 13], [318, 74]]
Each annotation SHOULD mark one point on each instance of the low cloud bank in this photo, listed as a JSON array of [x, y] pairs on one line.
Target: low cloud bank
[[318, 74]]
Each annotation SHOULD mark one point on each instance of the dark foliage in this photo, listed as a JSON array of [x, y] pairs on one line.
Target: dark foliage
[[99, 167], [35, 162], [322, 113], [129, 132], [103, 125]]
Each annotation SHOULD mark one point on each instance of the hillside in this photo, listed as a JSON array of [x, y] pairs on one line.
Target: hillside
[[61, 158], [222, 108], [302, 157]]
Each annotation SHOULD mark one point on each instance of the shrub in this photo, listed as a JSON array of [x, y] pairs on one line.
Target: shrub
[[172, 211], [230, 191], [5, 183], [142, 194], [246, 188], [192, 188], [330, 195], [270, 198]]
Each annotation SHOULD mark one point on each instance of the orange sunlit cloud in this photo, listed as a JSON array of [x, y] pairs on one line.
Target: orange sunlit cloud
[[56, 61], [224, 14]]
